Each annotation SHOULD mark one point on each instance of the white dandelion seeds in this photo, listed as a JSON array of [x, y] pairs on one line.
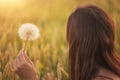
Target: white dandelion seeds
[[28, 32]]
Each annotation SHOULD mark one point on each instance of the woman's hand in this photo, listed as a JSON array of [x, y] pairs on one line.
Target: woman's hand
[[23, 66]]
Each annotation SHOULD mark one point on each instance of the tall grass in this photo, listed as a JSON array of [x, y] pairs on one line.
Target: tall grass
[[48, 53]]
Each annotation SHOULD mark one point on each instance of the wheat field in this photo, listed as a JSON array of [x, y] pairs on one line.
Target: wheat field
[[49, 53]]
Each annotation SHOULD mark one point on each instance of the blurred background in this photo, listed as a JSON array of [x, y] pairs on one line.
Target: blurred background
[[49, 52]]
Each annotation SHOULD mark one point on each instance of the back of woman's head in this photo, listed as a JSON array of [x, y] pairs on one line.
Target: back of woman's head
[[90, 36]]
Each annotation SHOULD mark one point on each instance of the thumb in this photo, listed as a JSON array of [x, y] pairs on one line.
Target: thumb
[[27, 58], [20, 53]]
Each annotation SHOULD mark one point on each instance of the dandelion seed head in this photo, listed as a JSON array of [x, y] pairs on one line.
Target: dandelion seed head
[[28, 31]]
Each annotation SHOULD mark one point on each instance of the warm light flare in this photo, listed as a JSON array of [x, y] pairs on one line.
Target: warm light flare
[[12, 2]]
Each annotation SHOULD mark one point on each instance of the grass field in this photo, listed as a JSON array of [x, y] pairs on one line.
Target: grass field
[[49, 52]]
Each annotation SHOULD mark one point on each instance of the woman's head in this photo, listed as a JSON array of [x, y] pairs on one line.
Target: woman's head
[[90, 36]]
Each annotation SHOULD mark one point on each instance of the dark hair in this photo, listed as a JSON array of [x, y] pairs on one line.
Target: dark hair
[[91, 37]]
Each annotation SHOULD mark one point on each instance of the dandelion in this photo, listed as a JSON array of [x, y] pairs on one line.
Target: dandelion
[[28, 32]]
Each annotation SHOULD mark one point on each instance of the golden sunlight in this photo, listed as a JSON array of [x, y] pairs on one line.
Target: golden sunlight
[[12, 3]]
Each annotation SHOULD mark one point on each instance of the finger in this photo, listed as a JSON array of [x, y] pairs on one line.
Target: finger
[[22, 58], [24, 51], [15, 66], [17, 62], [27, 59], [19, 58], [20, 52]]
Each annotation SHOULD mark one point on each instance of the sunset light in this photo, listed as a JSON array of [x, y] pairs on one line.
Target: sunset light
[[59, 39], [12, 3]]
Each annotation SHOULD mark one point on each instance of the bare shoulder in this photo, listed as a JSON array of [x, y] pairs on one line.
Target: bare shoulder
[[105, 74]]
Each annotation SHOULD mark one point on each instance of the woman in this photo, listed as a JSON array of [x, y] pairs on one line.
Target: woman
[[91, 41]]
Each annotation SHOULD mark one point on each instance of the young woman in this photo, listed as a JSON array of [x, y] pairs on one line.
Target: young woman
[[91, 41]]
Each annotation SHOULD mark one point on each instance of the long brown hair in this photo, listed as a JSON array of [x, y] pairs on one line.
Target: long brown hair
[[91, 37]]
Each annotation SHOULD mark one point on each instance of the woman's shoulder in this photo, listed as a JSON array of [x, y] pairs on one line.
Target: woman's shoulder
[[105, 74]]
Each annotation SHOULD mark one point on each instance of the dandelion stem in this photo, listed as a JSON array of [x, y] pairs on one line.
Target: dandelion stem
[[25, 45]]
